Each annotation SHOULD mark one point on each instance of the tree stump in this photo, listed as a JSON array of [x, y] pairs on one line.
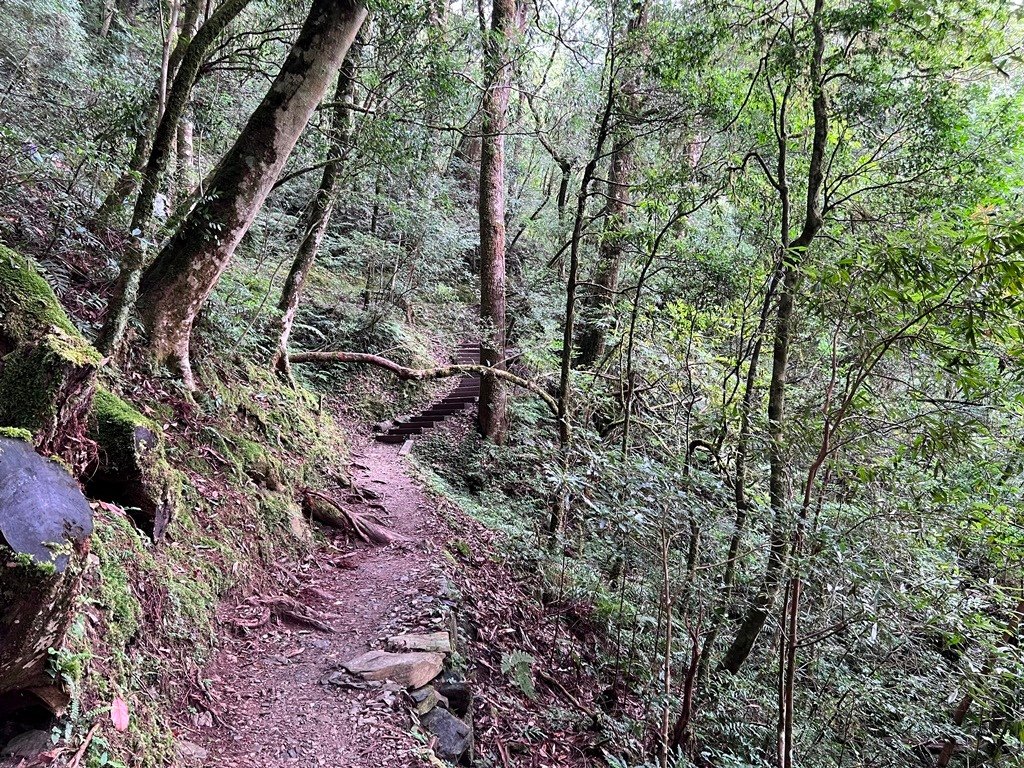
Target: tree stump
[[130, 467], [47, 368], [45, 522]]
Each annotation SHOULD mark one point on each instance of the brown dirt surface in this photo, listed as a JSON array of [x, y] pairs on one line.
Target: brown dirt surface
[[266, 702]]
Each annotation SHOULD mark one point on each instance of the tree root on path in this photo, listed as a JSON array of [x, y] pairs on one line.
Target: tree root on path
[[328, 511], [283, 607]]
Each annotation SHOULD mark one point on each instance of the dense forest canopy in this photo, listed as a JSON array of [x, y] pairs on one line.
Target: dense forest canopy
[[746, 280]]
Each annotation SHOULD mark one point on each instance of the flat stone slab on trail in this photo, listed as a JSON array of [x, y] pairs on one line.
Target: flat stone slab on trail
[[412, 670], [438, 642]]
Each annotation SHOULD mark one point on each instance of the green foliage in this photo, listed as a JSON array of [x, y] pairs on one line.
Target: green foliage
[[519, 666]]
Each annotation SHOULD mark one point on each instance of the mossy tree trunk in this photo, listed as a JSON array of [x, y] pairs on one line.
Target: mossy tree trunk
[[128, 181], [47, 369], [192, 54], [175, 287]]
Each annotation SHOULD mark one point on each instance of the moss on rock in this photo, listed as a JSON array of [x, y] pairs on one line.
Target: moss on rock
[[16, 433], [132, 468]]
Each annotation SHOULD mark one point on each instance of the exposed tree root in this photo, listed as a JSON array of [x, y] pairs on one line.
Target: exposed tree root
[[326, 510], [283, 607]]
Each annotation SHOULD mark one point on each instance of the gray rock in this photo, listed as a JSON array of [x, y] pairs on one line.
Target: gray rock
[[42, 509], [426, 698], [454, 737], [189, 753], [411, 670], [438, 642], [28, 744]]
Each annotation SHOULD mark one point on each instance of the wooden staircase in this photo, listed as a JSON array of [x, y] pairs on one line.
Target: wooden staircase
[[465, 395]]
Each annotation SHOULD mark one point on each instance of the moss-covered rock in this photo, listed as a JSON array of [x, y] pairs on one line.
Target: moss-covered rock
[[47, 368], [131, 468]]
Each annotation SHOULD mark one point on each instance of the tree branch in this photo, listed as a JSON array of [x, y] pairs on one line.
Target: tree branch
[[425, 374]]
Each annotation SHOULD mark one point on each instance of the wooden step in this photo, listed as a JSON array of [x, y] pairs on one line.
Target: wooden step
[[390, 439], [406, 431], [444, 409], [421, 419]]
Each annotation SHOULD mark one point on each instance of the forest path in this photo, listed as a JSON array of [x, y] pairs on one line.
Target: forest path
[[268, 704]]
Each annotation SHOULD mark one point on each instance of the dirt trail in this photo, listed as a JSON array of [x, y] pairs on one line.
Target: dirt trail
[[268, 705]]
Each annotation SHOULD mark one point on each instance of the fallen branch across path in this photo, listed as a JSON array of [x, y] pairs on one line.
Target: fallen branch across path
[[425, 374]]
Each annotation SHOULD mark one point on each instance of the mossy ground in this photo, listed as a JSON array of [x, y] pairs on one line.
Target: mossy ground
[[146, 627]]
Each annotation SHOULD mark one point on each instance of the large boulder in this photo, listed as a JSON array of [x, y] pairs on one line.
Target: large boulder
[[47, 368], [45, 523]]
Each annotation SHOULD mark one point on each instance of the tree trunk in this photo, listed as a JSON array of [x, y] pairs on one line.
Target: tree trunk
[[128, 180], [47, 369], [186, 172], [109, 8], [591, 344], [793, 255], [191, 55], [322, 207], [45, 523], [493, 411], [47, 379], [177, 284], [126, 183]]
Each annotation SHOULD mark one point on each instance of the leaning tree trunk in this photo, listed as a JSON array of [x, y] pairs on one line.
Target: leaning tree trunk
[[128, 180], [177, 284], [191, 58], [493, 411], [321, 208]]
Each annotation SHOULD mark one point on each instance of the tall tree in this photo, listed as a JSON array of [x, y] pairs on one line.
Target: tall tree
[[793, 254], [160, 154], [591, 343], [498, 83], [177, 284]]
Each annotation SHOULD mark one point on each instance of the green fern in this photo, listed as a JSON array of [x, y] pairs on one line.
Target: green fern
[[519, 666]]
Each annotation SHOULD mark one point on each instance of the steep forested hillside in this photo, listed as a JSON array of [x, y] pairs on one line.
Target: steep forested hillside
[[518, 383]]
